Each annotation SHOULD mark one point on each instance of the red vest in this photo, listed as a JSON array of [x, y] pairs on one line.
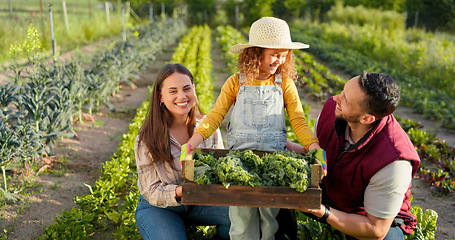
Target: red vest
[[349, 171]]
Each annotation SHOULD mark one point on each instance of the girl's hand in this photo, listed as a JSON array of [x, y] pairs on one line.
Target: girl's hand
[[295, 147], [314, 145]]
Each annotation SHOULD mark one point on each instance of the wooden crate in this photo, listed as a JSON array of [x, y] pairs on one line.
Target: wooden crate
[[273, 197]]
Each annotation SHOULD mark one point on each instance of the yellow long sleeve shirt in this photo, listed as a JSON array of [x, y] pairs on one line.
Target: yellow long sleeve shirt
[[228, 96]]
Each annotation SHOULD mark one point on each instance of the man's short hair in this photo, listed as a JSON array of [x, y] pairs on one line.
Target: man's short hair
[[383, 93]]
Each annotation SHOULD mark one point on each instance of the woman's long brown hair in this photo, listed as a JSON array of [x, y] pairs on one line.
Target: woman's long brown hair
[[154, 133], [250, 63]]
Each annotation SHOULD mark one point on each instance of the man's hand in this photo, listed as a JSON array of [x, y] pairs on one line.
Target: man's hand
[[316, 212]]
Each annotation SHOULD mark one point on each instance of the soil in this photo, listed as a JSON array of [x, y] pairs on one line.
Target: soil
[[79, 162]]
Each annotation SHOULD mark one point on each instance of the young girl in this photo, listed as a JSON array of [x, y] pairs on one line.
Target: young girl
[[260, 93], [171, 120]]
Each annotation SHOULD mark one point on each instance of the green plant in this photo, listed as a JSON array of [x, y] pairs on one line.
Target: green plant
[[78, 36], [19, 143], [426, 224], [74, 224]]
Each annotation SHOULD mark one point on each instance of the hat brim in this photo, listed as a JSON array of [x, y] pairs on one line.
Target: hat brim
[[238, 48]]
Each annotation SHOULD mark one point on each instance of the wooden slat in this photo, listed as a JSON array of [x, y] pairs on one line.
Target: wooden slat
[[316, 175], [188, 170], [273, 197]]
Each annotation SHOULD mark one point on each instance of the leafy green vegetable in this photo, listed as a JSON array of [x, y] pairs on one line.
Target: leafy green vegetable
[[281, 168], [426, 224]]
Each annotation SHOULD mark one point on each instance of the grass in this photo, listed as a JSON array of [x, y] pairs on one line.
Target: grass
[[84, 26]]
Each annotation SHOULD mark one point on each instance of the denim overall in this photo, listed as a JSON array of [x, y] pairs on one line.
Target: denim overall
[[256, 123]]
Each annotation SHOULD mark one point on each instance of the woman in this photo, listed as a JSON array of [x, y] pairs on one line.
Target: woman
[[173, 115]]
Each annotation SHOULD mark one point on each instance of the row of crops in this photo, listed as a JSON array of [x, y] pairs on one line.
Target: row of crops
[[427, 89], [194, 53]]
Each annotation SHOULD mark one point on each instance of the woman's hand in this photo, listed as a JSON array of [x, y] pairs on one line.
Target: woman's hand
[[178, 193]]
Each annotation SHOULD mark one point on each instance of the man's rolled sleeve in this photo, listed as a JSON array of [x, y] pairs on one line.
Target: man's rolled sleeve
[[385, 191]]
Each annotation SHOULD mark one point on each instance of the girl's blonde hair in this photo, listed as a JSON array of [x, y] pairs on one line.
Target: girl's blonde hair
[[250, 63]]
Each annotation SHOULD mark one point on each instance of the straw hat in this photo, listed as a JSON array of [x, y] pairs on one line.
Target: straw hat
[[269, 32]]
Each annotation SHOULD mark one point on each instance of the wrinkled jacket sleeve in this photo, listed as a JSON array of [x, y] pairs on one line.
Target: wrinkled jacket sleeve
[[154, 183]]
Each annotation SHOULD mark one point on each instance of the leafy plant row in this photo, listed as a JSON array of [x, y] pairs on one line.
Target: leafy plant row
[[433, 103], [313, 74], [316, 78], [194, 53], [113, 199], [427, 56], [438, 159], [227, 36]]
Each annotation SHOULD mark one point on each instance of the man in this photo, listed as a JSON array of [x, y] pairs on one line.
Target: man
[[370, 161]]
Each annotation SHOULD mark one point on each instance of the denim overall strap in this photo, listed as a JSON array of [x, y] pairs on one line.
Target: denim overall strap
[[257, 119]]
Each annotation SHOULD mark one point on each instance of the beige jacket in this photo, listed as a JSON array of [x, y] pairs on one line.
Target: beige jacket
[[157, 182]]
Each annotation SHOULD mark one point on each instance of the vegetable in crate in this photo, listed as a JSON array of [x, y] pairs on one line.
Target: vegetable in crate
[[281, 168]]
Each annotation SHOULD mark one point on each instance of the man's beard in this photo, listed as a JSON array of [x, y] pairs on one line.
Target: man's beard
[[349, 119]]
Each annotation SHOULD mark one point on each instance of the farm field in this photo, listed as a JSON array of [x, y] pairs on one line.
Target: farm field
[[80, 162]]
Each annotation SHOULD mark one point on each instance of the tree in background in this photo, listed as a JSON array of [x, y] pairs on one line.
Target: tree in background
[[431, 14], [200, 11], [317, 9], [397, 5], [229, 7], [257, 9], [295, 6]]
